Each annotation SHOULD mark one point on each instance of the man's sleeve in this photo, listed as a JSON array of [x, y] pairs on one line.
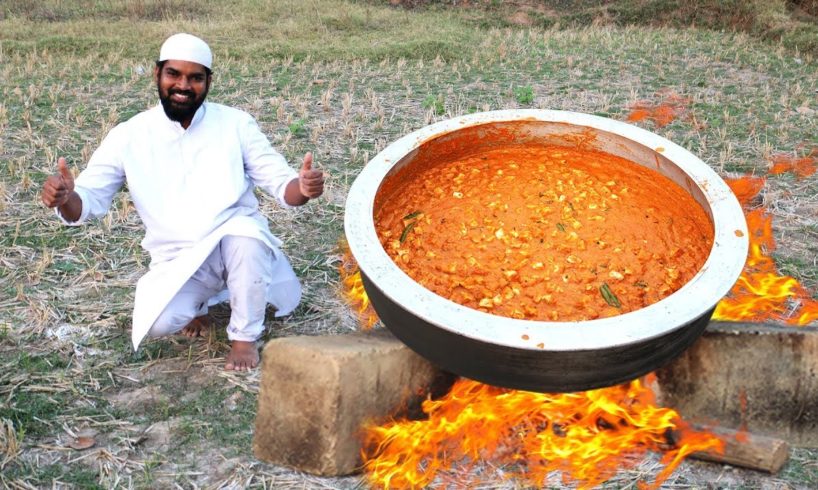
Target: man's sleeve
[[101, 179], [266, 167]]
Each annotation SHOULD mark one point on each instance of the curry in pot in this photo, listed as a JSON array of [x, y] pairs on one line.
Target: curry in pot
[[544, 232]]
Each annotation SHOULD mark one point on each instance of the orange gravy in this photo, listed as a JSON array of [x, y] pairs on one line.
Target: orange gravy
[[545, 233]]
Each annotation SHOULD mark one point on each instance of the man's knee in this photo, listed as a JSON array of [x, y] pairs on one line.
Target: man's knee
[[244, 244], [246, 253]]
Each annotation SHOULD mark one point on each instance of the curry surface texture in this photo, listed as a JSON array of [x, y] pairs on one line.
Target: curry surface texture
[[544, 232]]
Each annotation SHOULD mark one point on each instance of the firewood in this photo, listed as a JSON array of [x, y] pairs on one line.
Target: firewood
[[756, 452]]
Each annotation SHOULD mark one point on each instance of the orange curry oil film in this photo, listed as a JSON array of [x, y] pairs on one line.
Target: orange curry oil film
[[663, 112], [802, 167], [545, 232]]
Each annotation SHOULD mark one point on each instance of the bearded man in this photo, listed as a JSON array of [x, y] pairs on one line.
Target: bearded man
[[191, 167]]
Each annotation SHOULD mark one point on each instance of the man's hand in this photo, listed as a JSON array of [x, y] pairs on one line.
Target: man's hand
[[58, 188], [310, 182], [58, 192], [308, 185]]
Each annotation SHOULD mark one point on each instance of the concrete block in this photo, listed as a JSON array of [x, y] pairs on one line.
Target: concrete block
[[316, 392], [759, 377]]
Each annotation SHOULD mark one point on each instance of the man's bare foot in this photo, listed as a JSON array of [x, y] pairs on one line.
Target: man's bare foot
[[243, 356], [197, 327]]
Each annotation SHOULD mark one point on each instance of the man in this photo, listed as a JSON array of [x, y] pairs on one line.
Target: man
[[191, 167]]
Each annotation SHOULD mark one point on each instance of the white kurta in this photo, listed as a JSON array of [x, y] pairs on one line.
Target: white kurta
[[191, 188]]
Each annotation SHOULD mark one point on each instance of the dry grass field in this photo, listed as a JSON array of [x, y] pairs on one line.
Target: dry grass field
[[342, 79]]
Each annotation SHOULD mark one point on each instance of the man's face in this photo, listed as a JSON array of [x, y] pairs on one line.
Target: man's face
[[182, 86]]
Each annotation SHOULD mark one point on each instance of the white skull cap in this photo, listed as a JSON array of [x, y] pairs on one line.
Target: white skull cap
[[186, 47]]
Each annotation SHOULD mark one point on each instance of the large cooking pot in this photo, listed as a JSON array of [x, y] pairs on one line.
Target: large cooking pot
[[571, 356]]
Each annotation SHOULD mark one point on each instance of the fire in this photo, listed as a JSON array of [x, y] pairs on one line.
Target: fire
[[353, 289], [761, 293], [665, 112], [587, 436]]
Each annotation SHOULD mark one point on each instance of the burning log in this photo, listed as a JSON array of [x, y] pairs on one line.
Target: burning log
[[756, 452]]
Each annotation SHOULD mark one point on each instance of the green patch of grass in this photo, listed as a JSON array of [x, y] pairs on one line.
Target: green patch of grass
[[524, 95], [220, 414], [230, 427], [35, 239], [40, 363], [52, 391], [804, 39], [153, 462], [298, 128], [33, 413], [434, 102], [126, 113], [801, 469], [190, 430], [162, 410], [67, 266], [150, 350], [46, 476]]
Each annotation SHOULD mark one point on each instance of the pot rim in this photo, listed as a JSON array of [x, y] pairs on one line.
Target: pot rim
[[718, 274]]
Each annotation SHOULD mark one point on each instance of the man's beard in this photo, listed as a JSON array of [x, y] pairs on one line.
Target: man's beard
[[181, 112]]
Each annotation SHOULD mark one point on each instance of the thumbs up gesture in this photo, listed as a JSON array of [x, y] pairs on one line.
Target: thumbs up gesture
[[59, 187], [310, 181]]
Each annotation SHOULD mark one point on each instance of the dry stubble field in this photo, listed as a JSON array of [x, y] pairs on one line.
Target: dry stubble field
[[342, 79]]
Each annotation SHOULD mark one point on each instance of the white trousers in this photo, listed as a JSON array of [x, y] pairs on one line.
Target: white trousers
[[242, 265]]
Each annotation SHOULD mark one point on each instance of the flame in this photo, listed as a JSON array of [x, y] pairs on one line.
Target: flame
[[587, 436], [761, 293], [353, 289], [670, 106]]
